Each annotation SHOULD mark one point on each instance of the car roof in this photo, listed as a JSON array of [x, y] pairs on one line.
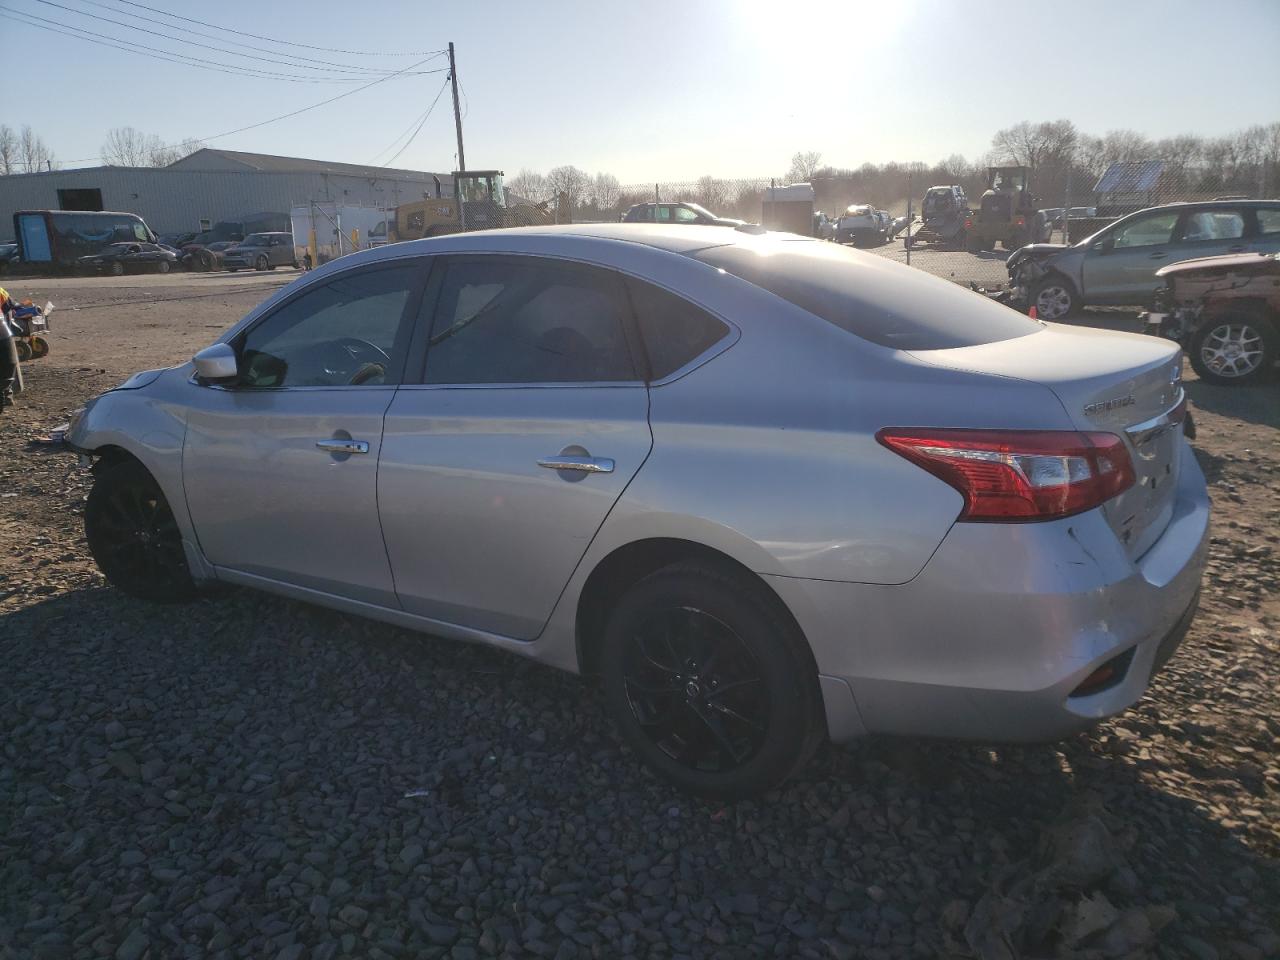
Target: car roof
[[673, 238]]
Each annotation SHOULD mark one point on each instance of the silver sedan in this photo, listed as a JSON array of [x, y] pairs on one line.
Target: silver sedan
[[770, 490]]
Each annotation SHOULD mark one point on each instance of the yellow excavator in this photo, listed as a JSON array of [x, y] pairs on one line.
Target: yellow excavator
[[479, 202]]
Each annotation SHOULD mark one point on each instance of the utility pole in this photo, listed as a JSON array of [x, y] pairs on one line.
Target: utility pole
[[457, 116]]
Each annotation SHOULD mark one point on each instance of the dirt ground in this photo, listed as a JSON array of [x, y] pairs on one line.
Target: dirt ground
[[240, 777]]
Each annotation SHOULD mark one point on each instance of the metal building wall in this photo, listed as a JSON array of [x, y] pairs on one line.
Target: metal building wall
[[174, 201]]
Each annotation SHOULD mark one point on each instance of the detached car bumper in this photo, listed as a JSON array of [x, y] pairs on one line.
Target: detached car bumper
[[997, 636]]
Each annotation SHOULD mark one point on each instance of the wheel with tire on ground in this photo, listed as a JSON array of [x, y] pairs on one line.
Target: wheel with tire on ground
[[117, 269], [261, 263], [1054, 298], [133, 535], [163, 266], [1234, 349], [710, 681]]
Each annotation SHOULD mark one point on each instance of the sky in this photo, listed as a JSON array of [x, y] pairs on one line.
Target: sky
[[647, 91]]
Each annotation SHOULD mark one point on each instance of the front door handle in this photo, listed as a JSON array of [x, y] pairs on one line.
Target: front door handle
[[1238, 248], [343, 446], [1158, 256], [581, 464]]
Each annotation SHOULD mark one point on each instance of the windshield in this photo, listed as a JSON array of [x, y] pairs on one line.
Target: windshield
[[883, 302], [859, 210]]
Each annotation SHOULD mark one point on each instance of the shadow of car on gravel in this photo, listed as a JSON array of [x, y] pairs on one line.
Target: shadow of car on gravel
[[270, 753]]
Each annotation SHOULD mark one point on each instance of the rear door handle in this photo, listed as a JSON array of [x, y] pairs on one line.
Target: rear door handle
[[1238, 248], [343, 446], [581, 464], [1158, 256]]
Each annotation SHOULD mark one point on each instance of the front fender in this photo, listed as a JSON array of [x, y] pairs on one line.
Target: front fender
[[151, 428]]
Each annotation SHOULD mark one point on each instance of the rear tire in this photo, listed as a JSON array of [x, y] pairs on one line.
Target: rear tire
[[710, 683], [1235, 349], [39, 347], [23, 348], [117, 269], [260, 264], [134, 537]]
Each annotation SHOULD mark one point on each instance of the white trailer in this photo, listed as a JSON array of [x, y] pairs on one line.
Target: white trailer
[[329, 230]]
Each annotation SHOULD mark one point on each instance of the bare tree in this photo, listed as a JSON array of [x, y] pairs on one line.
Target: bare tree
[[130, 147], [529, 185], [127, 147], [606, 190], [803, 164], [33, 154], [570, 182], [713, 193], [8, 150]]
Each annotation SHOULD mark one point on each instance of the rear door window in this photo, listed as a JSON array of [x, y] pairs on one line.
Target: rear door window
[[528, 320], [885, 303], [1203, 225]]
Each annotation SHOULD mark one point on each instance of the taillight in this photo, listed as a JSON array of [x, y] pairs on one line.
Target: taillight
[[968, 224], [1019, 474]]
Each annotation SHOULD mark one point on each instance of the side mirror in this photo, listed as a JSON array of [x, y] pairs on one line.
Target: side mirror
[[1102, 246], [215, 363]]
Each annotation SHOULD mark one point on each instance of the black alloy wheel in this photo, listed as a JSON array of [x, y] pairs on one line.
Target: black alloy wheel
[[133, 535], [696, 690], [710, 682]]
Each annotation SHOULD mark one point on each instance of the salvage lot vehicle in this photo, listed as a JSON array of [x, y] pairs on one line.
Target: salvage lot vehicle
[[588, 445], [943, 212], [1006, 213], [683, 213], [120, 258], [1225, 311], [261, 251], [1117, 265], [862, 226]]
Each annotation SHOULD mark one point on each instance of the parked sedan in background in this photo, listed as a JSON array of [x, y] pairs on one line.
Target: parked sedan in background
[[120, 258], [688, 214], [954, 521], [261, 251], [8, 256], [1117, 265]]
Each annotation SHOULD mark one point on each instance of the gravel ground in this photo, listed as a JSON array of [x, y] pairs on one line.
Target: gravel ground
[[253, 777]]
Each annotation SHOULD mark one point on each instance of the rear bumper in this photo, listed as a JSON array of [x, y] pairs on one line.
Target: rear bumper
[[1003, 624]]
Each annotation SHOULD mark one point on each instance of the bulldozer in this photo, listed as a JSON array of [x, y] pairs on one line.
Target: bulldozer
[[479, 202], [1007, 213]]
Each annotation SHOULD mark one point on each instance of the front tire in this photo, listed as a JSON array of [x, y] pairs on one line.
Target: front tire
[[134, 537], [1234, 350], [261, 264], [710, 683], [1055, 299], [164, 266], [117, 269]]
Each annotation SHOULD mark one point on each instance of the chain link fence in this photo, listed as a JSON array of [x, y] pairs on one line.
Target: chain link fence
[[961, 227]]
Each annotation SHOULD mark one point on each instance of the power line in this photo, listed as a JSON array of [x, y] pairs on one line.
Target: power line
[[294, 113], [172, 56], [360, 71], [247, 46], [305, 46], [421, 123]]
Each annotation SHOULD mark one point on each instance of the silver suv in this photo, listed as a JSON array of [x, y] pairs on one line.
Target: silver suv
[[261, 251], [1117, 265]]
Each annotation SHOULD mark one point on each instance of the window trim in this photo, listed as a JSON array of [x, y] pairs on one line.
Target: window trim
[[404, 333], [419, 344]]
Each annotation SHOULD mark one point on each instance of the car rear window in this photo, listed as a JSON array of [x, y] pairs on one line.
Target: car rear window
[[869, 296]]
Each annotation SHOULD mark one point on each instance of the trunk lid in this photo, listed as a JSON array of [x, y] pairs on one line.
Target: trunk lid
[[1108, 382]]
